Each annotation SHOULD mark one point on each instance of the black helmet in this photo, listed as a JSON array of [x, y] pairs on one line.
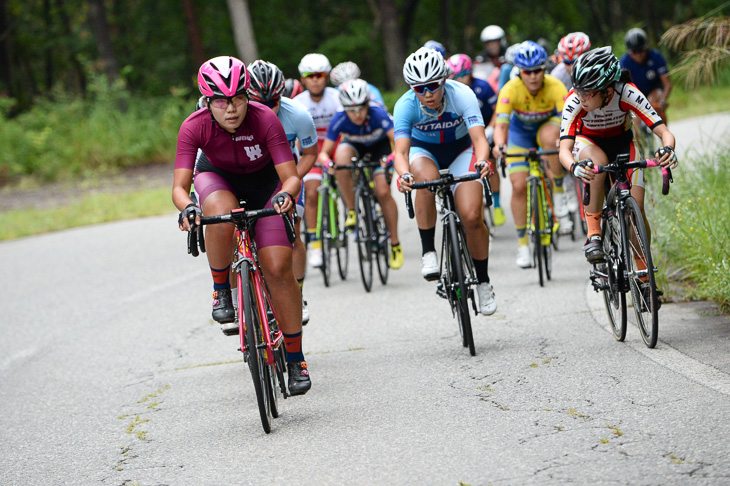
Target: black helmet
[[636, 40], [596, 70], [267, 81]]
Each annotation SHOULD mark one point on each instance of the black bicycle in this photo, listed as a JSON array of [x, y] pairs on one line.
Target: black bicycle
[[371, 234], [457, 276], [628, 265]]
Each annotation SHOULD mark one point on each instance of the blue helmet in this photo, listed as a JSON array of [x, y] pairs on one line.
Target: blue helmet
[[436, 46], [530, 55]]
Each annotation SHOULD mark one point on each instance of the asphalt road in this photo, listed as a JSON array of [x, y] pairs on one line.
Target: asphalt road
[[112, 372]]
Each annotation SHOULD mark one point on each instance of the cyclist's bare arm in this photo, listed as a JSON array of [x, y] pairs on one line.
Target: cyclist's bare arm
[[182, 181], [325, 155], [501, 130], [668, 159], [481, 148], [290, 182], [307, 160], [402, 166]]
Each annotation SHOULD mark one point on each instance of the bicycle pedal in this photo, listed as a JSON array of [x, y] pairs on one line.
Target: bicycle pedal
[[230, 329], [441, 292]]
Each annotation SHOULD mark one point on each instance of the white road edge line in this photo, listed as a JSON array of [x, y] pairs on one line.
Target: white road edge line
[[663, 354]]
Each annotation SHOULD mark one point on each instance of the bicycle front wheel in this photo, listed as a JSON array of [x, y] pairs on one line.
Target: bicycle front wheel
[[534, 223], [640, 271], [255, 358], [340, 233], [382, 243], [458, 283], [614, 296], [363, 237]]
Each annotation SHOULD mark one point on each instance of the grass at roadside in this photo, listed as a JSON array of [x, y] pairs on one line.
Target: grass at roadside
[[685, 103], [691, 231], [90, 209]]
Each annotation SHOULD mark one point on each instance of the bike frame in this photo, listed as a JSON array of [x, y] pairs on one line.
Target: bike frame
[[331, 199], [537, 176]]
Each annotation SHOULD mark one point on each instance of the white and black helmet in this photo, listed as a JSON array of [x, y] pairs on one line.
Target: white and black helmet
[[354, 92], [344, 71], [314, 63], [424, 66]]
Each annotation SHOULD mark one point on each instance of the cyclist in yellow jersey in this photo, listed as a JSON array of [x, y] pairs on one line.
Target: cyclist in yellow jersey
[[528, 116]]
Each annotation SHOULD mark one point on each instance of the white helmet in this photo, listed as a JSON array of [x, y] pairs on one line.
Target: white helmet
[[492, 32], [423, 66], [344, 71], [354, 92], [314, 63]]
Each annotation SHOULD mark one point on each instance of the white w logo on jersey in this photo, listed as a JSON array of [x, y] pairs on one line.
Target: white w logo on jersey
[[254, 152]]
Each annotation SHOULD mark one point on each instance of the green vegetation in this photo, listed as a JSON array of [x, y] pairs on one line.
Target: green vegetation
[[691, 231], [91, 209]]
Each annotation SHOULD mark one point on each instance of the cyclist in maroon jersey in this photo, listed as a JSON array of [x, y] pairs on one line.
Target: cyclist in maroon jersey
[[248, 157]]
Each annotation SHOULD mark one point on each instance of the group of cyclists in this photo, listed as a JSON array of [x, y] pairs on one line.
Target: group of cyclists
[[258, 136]]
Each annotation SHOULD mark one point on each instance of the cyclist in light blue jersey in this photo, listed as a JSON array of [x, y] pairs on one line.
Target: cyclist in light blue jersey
[[267, 87], [436, 123]]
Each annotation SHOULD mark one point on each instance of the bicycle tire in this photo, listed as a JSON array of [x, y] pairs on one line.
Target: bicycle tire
[[253, 338], [647, 313], [536, 228], [362, 238], [271, 374], [341, 236], [462, 290], [382, 240], [614, 296], [325, 236]]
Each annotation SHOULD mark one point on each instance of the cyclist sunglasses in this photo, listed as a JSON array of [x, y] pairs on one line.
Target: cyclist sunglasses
[[356, 109], [222, 103], [461, 74], [314, 75], [421, 89], [527, 72]]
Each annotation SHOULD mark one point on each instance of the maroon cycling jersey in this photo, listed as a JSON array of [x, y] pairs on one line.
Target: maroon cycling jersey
[[258, 141], [610, 121]]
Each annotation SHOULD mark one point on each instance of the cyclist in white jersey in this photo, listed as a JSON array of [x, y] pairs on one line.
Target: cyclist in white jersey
[[322, 102], [436, 123], [267, 87]]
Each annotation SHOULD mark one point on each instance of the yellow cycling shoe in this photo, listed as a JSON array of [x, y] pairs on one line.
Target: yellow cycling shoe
[[350, 221], [499, 218], [396, 257]]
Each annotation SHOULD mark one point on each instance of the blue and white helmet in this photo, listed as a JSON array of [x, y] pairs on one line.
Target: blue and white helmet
[[530, 55], [424, 66], [436, 45]]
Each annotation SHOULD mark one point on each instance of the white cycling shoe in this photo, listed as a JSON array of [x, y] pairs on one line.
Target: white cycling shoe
[[315, 257], [571, 200], [559, 204], [430, 266], [523, 259], [487, 303]]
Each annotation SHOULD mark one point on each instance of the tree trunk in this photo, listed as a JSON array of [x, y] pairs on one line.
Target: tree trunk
[[445, 21], [5, 66], [100, 27], [243, 30], [191, 21], [66, 26], [395, 52], [409, 13], [470, 28]]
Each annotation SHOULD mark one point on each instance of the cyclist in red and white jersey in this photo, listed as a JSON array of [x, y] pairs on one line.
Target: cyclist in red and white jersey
[[248, 157], [322, 102], [596, 125]]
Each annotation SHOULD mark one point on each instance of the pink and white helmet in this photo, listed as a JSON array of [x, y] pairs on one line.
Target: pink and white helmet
[[460, 64], [223, 76]]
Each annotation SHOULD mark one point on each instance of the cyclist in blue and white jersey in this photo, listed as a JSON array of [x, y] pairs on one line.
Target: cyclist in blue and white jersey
[[267, 87], [365, 128], [436, 123], [349, 70]]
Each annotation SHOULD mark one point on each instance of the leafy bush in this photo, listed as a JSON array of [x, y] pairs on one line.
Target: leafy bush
[[691, 231]]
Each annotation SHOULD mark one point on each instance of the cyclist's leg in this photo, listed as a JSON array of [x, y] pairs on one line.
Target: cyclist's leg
[[311, 182], [585, 149], [387, 204], [299, 255], [343, 156], [518, 171], [424, 167], [469, 205]]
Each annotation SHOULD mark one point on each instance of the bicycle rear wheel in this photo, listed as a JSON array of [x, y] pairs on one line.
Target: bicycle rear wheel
[[614, 296], [460, 288], [640, 271], [341, 236], [363, 226], [325, 237], [254, 357], [536, 229], [383, 245]]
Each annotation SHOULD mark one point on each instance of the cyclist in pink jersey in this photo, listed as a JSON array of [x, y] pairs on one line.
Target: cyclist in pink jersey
[[248, 157], [322, 102], [596, 125]]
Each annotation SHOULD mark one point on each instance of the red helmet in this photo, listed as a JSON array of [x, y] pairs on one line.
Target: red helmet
[[292, 87], [573, 45], [223, 76]]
